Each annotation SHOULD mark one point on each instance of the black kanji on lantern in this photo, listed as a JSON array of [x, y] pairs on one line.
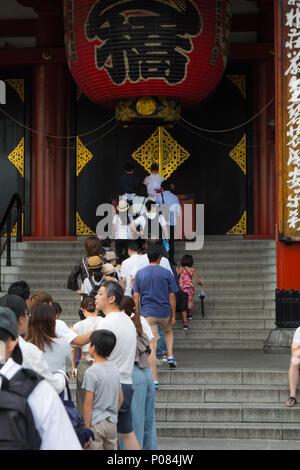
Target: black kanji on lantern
[[143, 39]]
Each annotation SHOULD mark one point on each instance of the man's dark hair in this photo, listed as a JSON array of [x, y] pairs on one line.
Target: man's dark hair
[[57, 308], [149, 205], [166, 186], [154, 167], [142, 190], [20, 288], [104, 342], [154, 251], [187, 260], [133, 245], [114, 289], [16, 354], [128, 167]]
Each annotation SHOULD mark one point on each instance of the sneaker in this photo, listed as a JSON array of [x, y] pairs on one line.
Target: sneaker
[[171, 362], [156, 385], [185, 326], [164, 357], [190, 316]]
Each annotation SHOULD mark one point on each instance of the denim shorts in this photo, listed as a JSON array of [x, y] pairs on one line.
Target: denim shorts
[[124, 425]]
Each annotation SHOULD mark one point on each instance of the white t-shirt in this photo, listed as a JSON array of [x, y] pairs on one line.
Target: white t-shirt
[[87, 286], [88, 325], [122, 230], [50, 417], [153, 183], [33, 359], [151, 215], [138, 205], [62, 330], [143, 261], [123, 354], [127, 267]]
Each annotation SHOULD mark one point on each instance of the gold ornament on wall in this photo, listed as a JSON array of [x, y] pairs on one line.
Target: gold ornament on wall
[[238, 154], [162, 149], [83, 156], [18, 85], [16, 157], [239, 81], [81, 227], [241, 227]]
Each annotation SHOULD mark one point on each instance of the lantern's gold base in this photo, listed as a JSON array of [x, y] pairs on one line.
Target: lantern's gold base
[[147, 110]]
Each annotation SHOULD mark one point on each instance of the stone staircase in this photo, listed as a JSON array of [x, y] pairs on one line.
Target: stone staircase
[[201, 401]]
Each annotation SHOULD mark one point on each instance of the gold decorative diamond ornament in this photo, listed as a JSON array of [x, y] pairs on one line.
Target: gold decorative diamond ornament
[[16, 157], [83, 156], [238, 154], [162, 149], [81, 227], [241, 227]]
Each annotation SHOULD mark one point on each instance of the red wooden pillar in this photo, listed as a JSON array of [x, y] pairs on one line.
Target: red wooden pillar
[[49, 179], [264, 151], [287, 234]]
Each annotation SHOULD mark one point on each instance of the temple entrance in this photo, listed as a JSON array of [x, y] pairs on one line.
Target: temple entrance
[[214, 169]]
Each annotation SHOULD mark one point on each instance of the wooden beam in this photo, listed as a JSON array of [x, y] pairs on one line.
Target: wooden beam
[[244, 23], [250, 51], [32, 56], [17, 28]]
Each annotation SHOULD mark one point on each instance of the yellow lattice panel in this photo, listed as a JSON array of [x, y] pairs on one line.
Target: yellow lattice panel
[[173, 153], [241, 227], [81, 227], [240, 82], [14, 229], [18, 85], [238, 154], [16, 157], [83, 156]]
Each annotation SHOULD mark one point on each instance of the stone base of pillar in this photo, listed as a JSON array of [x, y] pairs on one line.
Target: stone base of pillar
[[279, 341]]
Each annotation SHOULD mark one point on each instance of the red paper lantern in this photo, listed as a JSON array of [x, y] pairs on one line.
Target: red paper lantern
[[129, 48]]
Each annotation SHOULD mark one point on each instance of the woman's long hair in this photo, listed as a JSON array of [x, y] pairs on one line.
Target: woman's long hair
[[41, 326], [128, 305]]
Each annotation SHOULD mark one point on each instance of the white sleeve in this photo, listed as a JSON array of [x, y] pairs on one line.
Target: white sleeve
[[162, 220], [86, 286], [164, 263], [296, 338], [51, 419], [124, 272], [63, 331]]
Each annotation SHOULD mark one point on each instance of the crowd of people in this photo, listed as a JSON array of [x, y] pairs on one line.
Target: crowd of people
[[127, 302]]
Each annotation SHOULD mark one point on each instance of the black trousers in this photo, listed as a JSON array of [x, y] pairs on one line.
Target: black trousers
[[172, 244], [121, 250]]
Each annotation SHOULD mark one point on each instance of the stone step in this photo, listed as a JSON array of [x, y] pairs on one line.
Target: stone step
[[221, 394], [221, 430], [227, 412], [224, 377], [222, 334], [221, 344]]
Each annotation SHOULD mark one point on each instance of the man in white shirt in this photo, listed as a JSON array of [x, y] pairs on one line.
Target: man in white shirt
[[108, 300], [128, 266], [151, 225], [50, 417]]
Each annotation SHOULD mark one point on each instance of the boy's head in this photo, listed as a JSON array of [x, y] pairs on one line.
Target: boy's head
[[128, 167], [20, 288], [102, 343]]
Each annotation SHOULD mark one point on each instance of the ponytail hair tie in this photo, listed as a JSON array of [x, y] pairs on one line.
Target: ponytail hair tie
[[132, 315]]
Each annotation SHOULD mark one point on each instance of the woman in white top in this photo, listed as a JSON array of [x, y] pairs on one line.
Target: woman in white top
[[120, 230], [41, 333], [138, 202], [91, 323], [153, 182]]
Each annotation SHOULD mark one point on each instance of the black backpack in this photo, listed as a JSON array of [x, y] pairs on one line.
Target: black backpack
[[95, 287], [17, 428]]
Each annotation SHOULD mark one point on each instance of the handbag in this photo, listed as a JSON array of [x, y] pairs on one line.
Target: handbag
[[84, 434]]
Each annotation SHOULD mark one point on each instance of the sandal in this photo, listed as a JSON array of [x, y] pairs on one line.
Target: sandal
[[291, 401]]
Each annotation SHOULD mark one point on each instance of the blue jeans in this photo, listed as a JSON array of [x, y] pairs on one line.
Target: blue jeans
[[161, 345], [143, 409]]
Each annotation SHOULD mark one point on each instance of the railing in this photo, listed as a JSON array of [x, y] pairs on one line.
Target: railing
[[6, 221]]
